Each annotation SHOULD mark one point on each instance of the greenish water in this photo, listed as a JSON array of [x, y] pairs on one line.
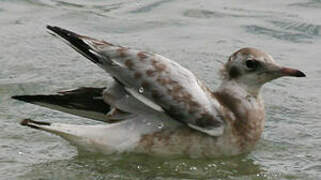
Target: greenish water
[[199, 35]]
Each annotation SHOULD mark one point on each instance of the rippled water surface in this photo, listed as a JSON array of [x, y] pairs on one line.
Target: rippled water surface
[[199, 35]]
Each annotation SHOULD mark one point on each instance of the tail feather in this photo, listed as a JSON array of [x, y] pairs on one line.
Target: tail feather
[[102, 138], [84, 102], [33, 124]]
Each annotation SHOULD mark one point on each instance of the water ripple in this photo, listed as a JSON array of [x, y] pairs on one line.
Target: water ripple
[[150, 7], [201, 13], [64, 3], [198, 13], [306, 28], [297, 37], [309, 4]]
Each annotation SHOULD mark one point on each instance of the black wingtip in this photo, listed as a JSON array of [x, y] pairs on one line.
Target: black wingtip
[[55, 28], [62, 32], [76, 42], [25, 98], [74, 102], [49, 27]]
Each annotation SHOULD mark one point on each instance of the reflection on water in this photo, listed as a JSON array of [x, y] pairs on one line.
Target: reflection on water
[[199, 35], [142, 166]]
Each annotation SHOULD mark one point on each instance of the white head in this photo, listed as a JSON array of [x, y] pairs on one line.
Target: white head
[[251, 68]]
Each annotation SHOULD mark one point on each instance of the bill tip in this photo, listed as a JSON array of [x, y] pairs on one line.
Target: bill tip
[[300, 74]]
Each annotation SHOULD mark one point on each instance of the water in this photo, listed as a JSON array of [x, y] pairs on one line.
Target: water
[[199, 35]]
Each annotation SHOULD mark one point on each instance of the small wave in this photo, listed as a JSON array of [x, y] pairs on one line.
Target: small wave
[[306, 28], [198, 13], [98, 8], [235, 13], [282, 35], [64, 3], [149, 7], [309, 4]]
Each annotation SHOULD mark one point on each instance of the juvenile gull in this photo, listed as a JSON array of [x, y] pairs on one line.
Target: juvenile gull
[[158, 107]]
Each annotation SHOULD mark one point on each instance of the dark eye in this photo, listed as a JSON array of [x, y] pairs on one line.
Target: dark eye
[[252, 64]]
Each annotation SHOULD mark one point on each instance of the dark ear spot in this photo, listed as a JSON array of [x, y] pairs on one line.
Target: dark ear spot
[[234, 72]]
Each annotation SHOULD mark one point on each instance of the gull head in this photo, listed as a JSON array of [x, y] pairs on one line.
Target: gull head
[[251, 68]]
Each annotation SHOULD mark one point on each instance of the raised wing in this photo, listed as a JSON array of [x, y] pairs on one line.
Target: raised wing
[[158, 82]]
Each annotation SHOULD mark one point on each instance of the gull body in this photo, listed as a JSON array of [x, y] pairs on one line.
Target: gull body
[[157, 106]]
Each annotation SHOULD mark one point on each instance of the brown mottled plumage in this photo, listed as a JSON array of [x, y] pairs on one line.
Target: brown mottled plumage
[[165, 109]]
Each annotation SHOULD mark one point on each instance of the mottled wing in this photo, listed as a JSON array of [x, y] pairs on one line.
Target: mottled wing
[[155, 80]]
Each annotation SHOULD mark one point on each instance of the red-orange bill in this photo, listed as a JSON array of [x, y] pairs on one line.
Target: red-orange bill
[[291, 72]]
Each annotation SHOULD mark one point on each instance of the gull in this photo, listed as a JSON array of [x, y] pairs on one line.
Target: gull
[[156, 106]]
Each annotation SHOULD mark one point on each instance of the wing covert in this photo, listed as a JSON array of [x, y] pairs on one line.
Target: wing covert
[[160, 80]]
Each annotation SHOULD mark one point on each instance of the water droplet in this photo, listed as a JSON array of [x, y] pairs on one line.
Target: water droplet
[[138, 3], [141, 90], [160, 125]]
